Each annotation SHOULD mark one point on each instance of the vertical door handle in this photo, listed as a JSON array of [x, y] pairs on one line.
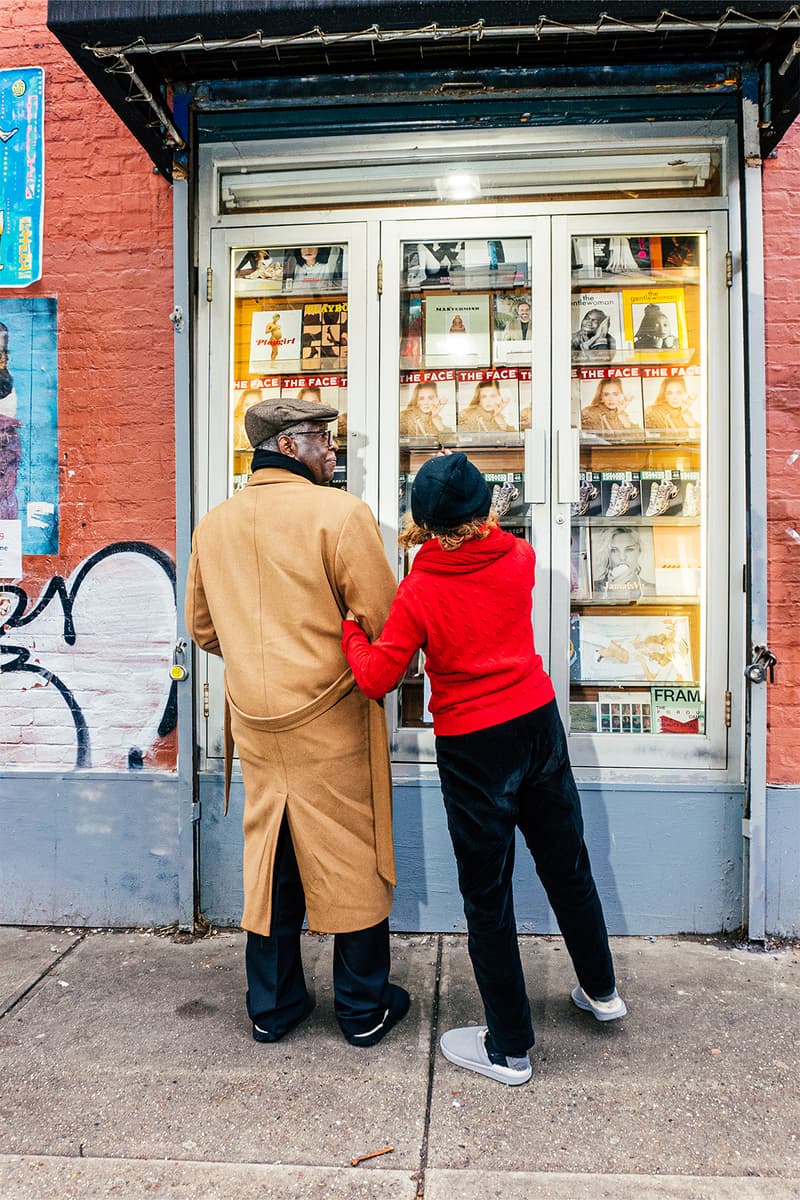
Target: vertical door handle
[[568, 463], [535, 452]]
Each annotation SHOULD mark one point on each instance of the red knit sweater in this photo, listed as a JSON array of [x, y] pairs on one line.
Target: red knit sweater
[[470, 611]]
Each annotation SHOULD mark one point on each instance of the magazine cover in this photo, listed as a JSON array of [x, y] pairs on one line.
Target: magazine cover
[[596, 326], [580, 563], [611, 402], [662, 493], [676, 253], [590, 498], [275, 339], [672, 400], [495, 263], [619, 255], [525, 383], [410, 333], [257, 272], [691, 492], [678, 559], [246, 393], [428, 404], [640, 649], [654, 319], [325, 335], [575, 649], [624, 712], [488, 401], [513, 328], [457, 331], [623, 564], [620, 494], [315, 268], [678, 710], [582, 716], [517, 516], [432, 264]]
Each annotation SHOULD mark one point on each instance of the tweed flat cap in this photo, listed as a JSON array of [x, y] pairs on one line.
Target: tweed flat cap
[[268, 418]]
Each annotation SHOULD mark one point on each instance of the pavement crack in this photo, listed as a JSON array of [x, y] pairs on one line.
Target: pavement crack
[[25, 992], [423, 1154]]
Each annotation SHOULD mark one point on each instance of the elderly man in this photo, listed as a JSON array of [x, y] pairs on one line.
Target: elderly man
[[273, 571]]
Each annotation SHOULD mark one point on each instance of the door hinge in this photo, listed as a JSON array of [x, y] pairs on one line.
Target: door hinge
[[728, 708], [728, 268], [380, 276], [209, 284], [205, 700]]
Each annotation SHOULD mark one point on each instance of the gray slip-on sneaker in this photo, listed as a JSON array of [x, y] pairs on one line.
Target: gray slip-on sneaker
[[467, 1048], [602, 1010]]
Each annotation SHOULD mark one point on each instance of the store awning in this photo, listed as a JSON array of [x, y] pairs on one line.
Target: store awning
[[138, 54]]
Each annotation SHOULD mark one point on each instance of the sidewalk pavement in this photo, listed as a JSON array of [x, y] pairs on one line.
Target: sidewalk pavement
[[127, 1069]]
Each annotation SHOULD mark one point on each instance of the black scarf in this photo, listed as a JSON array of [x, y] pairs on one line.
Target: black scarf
[[273, 458]]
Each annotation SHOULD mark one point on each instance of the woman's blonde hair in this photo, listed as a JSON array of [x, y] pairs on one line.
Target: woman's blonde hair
[[449, 539]]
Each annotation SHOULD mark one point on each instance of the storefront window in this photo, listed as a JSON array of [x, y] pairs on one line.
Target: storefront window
[[289, 337], [638, 537], [465, 380]]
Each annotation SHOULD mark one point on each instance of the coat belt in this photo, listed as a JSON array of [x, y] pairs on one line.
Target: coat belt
[[378, 752]]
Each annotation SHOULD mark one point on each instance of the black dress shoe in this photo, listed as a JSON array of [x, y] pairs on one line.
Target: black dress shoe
[[399, 1000], [262, 1034]]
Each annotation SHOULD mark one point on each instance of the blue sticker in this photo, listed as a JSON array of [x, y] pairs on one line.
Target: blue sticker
[[22, 174]]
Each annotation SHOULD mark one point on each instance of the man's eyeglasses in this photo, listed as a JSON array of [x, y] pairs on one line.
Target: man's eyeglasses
[[320, 433]]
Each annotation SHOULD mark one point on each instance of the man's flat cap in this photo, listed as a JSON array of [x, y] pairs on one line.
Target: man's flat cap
[[268, 418]]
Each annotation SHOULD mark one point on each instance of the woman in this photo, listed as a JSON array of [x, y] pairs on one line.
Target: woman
[[484, 413], [654, 332], [501, 751], [593, 333], [672, 408], [607, 408], [617, 557], [420, 417]]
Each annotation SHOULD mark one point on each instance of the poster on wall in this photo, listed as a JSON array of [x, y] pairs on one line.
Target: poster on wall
[[22, 172], [29, 420]]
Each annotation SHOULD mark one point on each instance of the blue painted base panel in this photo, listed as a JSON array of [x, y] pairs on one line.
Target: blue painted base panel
[[783, 861], [94, 850], [664, 861]]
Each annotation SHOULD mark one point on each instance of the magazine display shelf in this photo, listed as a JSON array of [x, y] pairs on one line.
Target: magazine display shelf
[[637, 574]]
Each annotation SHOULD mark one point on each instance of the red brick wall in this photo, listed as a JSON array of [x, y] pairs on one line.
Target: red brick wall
[[107, 259], [782, 272]]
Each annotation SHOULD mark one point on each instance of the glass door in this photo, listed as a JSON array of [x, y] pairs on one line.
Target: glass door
[[641, 409], [466, 352]]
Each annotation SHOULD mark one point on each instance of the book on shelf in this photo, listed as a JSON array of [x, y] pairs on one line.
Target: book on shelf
[[410, 332], [590, 495], [678, 710], [513, 328], [582, 716], [324, 335], [678, 559], [488, 401], [611, 402], [672, 402], [517, 514], [525, 382], [428, 404], [623, 563], [457, 331], [691, 493], [625, 712], [654, 320], [246, 393], [275, 339], [620, 494], [258, 272], [575, 648], [634, 648], [596, 325], [580, 563]]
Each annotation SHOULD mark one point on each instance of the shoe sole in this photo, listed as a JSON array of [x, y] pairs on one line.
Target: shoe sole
[[266, 1037], [584, 1006], [491, 1072]]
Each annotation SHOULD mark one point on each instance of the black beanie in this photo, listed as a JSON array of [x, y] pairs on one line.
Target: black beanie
[[449, 491]]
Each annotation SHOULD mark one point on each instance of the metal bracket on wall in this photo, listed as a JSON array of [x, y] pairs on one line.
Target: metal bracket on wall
[[176, 316]]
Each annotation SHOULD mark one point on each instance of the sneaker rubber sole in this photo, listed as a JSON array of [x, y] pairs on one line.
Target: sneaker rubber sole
[[601, 1010]]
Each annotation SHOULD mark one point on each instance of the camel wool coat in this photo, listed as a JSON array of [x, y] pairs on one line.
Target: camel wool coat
[[273, 570]]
